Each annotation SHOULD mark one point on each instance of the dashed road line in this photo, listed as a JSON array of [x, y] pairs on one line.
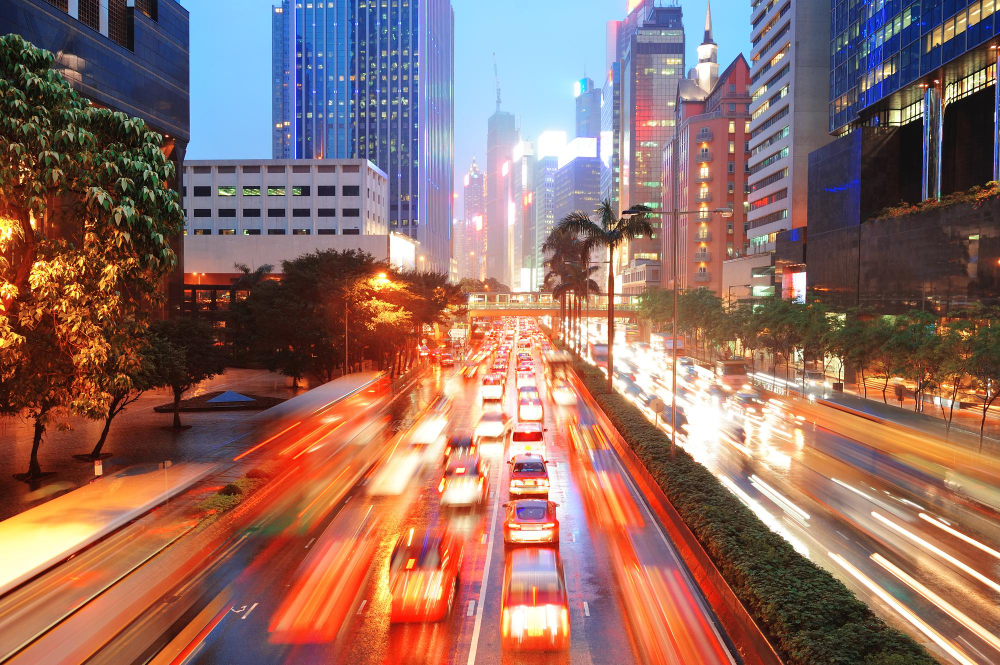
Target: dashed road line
[[586, 609], [472, 608], [249, 611], [311, 541], [362, 607]]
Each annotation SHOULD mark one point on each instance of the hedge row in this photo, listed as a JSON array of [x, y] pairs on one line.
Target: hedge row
[[807, 614]]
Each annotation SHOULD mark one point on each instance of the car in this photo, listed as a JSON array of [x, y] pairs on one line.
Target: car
[[562, 393], [530, 521], [745, 404], [529, 474], [447, 360], [423, 575], [527, 437], [464, 483], [493, 427], [493, 386], [535, 605], [459, 445], [529, 408], [525, 378]]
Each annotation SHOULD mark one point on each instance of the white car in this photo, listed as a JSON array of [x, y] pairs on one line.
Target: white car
[[492, 387], [529, 408], [525, 379], [562, 394], [527, 438], [493, 427]]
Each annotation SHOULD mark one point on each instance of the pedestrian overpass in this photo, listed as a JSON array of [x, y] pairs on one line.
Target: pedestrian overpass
[[494, 305]]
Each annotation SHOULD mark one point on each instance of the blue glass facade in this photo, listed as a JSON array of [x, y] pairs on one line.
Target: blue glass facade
[[881, 51], [373, 79]]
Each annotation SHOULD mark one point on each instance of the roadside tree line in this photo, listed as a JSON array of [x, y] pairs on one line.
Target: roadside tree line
[[950, 358]]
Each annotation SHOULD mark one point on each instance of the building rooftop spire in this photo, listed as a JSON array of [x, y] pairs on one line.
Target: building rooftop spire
[[708, 23]]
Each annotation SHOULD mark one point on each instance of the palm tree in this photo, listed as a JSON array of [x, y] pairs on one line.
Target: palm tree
[[610, 231], [563, 247], [579, 282], [248, 278]]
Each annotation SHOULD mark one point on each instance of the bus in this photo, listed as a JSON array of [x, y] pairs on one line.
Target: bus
[[731, 373]]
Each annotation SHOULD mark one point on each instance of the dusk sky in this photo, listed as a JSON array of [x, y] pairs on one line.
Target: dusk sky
[[541, 46]]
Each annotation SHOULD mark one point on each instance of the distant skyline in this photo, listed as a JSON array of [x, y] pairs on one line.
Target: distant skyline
[[541, 46]]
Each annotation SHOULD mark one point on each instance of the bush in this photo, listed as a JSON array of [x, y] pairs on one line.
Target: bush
[[808, 615], [231, 489]]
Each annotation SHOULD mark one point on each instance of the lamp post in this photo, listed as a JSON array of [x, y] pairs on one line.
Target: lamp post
[[725, 213]]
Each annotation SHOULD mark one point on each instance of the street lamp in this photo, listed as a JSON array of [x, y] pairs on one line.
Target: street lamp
[[725, 213]]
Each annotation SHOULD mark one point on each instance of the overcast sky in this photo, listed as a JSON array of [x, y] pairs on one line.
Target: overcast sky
[[541, 47]]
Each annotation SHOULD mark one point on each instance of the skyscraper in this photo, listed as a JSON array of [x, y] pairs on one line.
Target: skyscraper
[[356, 79], [550, 145], [611, 111], [789, 79], [501, 137], [650, 48], [474, 207], [524, 256], [588, 108]]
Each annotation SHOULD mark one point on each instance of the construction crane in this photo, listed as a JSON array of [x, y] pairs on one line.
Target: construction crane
[[496, 79]]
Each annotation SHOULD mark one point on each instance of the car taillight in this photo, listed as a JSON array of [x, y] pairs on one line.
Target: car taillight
[[441, 485], [505, 623], [542, 483], [447, 450], [513, 525], [564, 621], [549, 525]]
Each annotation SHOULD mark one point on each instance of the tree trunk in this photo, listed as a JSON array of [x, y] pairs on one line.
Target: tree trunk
[[112, 412], [34, 468], [611, 327], [177, 408], [864, 384], [885, 387]]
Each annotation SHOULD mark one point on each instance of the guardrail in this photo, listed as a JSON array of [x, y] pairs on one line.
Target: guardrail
[[744, 632], [543, 306]]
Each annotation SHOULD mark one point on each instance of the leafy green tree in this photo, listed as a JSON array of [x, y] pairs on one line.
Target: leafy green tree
[[251, 277], [657, 306], [956, 351], [609, 232], [919, 352], [782, 324], [699, 314], [189, 355], [984, 366], [86, 218]]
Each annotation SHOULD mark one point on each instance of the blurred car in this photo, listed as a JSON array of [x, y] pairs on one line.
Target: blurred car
[[493, 386], [464, 482], [529, 474], [525, 378], [562, 393], [527, 438], [744, 404], [529, 407], [459, 445], [530, 521], [493, 427], [535, 606], [447, 360], [423, 575]]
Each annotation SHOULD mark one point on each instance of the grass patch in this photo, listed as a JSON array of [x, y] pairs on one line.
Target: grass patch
[[807, 614]]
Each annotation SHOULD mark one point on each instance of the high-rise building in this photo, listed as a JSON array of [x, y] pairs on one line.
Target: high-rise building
[[650, 48], [131, 57], [473, 207], [549, 146], [578, 179], [789, 76], [359, 79], [525, 252], [705, 169], [611, 133], [501, 137], [588, 107]]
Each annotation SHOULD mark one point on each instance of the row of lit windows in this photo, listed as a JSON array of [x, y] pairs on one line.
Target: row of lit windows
[[771, 140], [775, 59], [762, 127], [781, 154], [769, 199], [770, 102], [762, 90], [957, 24], [770, 218], [771, 24], [774, 40], [277, 212], [278, 232]]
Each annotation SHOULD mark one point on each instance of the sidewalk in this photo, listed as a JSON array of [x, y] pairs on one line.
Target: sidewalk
[[137, 436]]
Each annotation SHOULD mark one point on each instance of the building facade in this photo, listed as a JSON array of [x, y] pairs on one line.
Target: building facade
[[355, 79], [705, 170], [474, 210], [789, 70], [588, 107], [128, 56], [651, 55], [524, 260], [501, 137], [265, 211], [549, 146], [611, 133]]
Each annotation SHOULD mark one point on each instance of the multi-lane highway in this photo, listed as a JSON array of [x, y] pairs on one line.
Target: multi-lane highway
[[917, 539], [309, 578]]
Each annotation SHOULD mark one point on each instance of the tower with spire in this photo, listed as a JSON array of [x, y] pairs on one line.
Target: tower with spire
[[707, 69]]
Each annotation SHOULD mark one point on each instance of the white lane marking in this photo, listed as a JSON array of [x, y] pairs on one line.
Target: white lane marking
[[482, 541], [472, 608], [364, 482], [362, 607], [586, 609], [311, 541], [347, 500], [249, 611], [486, 576]]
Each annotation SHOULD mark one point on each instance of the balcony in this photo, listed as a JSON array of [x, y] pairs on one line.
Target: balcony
[[701, 256], [704, 236], [704, 135], [703, 196], [702, 277], [703, 178], [703, 156]]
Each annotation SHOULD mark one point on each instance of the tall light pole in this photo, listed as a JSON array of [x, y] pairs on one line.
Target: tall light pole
[[726, 213]]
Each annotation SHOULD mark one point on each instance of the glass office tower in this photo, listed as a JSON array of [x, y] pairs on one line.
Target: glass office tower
[[373, 79]]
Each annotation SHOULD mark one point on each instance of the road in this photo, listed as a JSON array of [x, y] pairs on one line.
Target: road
[[320, 549], [917, 541]]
